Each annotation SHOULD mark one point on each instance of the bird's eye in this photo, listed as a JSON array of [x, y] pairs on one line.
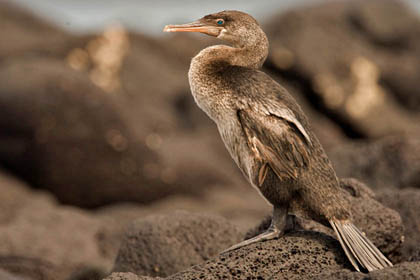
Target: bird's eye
[[220, 21]]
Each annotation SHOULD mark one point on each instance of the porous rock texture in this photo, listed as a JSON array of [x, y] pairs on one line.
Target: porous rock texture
[[402, 271], [298, 255], [129, 276], [149, 247], [161, 245], [382, 225]]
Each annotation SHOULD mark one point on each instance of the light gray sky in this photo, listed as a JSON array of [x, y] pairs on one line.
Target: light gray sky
[[150, 16]]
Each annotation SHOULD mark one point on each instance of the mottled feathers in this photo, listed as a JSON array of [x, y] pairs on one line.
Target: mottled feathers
[[277, 143]]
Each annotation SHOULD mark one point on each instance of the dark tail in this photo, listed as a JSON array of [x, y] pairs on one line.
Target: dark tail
[[359, 249]]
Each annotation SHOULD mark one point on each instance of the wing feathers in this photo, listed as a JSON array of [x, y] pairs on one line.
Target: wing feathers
[[262, 174], [276, 142]]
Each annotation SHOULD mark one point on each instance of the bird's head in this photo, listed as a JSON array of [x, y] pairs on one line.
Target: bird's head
[[237, 28]]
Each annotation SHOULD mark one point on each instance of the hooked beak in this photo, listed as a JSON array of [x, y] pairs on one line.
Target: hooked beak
[[195, 26]]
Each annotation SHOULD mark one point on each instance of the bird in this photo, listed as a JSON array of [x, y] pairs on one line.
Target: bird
[[268, 135]]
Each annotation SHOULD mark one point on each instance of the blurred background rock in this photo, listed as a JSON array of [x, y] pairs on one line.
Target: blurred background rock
[[98, 127]]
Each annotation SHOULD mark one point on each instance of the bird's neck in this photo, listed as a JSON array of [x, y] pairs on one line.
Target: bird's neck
[[207, 73], [215, 58]]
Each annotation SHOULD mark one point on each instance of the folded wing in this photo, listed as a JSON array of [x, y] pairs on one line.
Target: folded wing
[[278, 140]]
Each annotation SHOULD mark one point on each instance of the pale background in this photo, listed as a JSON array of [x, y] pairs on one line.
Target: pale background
[[83, 16]]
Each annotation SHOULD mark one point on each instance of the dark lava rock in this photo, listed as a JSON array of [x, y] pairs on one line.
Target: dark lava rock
[[61, 132], [382, 225], [407, 203], [402, 271], [129, 276], [353, 58], [162, 245], [388, 162], [342, 274], [299, 255]]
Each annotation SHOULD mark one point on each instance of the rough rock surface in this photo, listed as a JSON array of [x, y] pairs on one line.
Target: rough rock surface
[[162, 245], [403, 271], [382, 225], [299, 255], [129, 276]]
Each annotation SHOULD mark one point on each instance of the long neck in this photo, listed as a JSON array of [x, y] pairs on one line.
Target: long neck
[[250, 55], [206, 73]]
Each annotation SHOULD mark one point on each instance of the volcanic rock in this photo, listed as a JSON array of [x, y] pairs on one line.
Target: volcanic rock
[[403, 271], [163, 245], [299, 255], [382, 225], [129, 276]]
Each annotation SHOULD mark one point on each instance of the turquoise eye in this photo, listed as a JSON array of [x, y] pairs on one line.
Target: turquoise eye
[[220, 21]]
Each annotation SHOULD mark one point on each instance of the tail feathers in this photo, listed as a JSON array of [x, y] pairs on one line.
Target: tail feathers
[[360, 250]]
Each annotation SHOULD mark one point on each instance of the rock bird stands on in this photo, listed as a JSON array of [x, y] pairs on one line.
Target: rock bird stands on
[[268, 135]]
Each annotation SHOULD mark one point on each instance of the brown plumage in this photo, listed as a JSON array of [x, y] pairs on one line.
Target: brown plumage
[[268, 135]]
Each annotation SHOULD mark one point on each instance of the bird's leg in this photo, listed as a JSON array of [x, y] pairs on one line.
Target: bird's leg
[[292, 223], [276, 229]]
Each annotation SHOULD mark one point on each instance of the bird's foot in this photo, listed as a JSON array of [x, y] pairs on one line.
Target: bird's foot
[[271, 233]]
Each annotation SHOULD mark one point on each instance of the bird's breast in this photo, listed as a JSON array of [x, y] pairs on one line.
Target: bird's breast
[[234, 139], [216, 96], [210, 97]]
